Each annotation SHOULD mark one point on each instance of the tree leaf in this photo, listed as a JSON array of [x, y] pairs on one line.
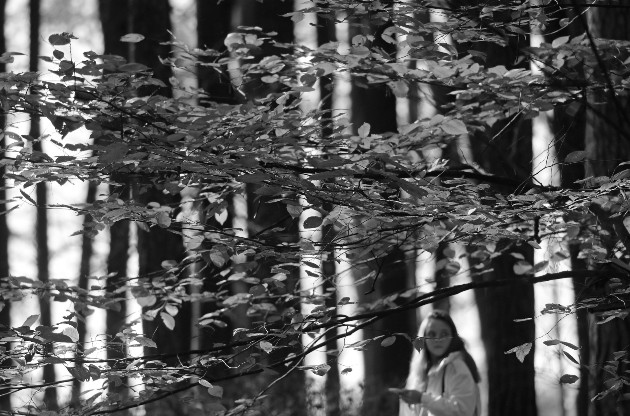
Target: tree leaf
[[113, 153], [221, 216], [216, 391], [294, 210], [388, 341], [30, 320], [55, 337], [58, 39], [133, 67], [266, 346], [568, 379], [28, 198], [570, 357], [522, 267], [163, 219], [418, 343], [72, 333], [95, 372], [171, 309], [168, 320], [521, 351], [568, 344], [145, 342], [313, 222], [364, 130], [321, 369], [577, 156], [534, 244], [217, 258], [454, 127], [559, 41], [344, 301], [146, 301], [132, 38]]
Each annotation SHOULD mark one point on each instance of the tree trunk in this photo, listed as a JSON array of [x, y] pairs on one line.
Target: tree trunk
[[606, 141], [5, 308], [150, 18], [41, 232], [510, 382], [82, 311], [571, 127], [216, 84]]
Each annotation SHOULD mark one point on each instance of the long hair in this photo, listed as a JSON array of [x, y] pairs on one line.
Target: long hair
[[421, 360]]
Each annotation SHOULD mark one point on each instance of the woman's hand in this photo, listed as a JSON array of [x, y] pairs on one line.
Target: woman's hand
[[411, 396]]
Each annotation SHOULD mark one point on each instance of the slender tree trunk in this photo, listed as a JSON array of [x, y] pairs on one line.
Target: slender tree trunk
[[326, 33], [82, 312], [41, 233], [5, 310], [571, 127], [311, 294], [350, 361], [311, 282], [114, 26], [116, 314]]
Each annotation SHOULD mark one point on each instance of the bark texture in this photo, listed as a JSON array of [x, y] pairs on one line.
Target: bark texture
[[607, 140]]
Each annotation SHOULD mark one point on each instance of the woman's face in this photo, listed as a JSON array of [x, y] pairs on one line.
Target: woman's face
[[437, 338]]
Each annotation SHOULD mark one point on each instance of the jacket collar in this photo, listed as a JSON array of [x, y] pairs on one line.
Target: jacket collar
[[455, 355]]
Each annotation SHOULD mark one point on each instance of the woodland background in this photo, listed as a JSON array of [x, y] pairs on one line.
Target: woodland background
[[540, 352]]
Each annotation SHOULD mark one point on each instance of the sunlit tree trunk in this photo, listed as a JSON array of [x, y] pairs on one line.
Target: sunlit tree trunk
[[311, 279], [311, 293], [553, 398], [350, 361], [570, 126], [326, 33]]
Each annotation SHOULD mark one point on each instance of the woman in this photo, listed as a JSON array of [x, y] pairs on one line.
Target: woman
[[443, 376]]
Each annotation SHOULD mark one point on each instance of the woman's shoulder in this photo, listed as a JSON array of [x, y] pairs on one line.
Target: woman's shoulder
[[454, 357], [454, 363]]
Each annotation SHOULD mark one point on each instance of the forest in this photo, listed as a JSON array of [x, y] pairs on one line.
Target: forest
[[246, 207]]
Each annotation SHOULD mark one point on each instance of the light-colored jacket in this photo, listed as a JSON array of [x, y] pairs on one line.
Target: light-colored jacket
[[459, 398]]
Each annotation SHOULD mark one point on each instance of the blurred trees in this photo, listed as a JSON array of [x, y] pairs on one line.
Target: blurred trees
[[181, 172]]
